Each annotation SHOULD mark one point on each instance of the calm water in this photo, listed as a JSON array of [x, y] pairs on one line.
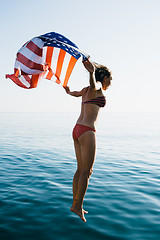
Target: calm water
[[37, 164]]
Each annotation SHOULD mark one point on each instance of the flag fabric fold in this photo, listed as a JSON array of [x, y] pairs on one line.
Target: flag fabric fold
[[51, 56]]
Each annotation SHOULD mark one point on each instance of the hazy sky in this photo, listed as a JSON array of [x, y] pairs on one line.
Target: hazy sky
[[121, 34]]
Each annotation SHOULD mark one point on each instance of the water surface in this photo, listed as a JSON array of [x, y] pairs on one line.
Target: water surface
[[37, 164]]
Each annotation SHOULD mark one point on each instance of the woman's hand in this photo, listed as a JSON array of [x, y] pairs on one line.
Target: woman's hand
[[67, 89], [88, 65]]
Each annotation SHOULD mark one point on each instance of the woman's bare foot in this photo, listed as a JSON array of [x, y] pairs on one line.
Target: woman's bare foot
[[82, 208], [79, 212]]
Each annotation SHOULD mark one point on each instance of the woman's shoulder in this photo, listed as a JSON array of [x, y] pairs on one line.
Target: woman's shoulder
[[85, 90], [91, 92]]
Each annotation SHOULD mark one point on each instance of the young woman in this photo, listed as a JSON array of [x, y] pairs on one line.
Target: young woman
[[84, 131]]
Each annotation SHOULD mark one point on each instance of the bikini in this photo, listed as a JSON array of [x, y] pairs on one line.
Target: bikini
[[99, 101], [79, 129]]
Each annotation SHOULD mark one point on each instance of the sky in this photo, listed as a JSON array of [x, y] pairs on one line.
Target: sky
[[124, 35]]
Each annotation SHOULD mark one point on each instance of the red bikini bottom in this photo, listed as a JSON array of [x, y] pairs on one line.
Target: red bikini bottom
[[79, 129]]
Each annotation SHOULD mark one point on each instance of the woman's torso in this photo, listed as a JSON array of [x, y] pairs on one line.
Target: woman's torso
[[89, 111]]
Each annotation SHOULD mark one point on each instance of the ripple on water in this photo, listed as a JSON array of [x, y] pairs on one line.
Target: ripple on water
[[36, 181]]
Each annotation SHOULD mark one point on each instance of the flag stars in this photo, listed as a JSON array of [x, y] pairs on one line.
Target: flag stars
[[53, 39]]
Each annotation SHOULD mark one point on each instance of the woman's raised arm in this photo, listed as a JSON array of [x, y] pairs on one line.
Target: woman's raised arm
[[89, 66]]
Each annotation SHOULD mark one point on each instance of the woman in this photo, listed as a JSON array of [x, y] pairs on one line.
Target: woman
[[84, 131]]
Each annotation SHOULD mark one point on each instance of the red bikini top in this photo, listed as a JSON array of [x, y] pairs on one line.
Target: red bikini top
[[99, 101]]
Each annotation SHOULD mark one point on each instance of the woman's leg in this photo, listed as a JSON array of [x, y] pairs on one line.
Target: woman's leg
[[77, 173], [87, 148], [79, 169]]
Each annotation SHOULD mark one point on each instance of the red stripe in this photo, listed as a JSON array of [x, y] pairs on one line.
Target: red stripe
[[49, 55], [22, 72], [34, 48], [16, 73], [48, 61], [58, 81], [16, 80], [61, 56], [28, 63], [69, 70], [34, 81], [27, 78], [49, 75]]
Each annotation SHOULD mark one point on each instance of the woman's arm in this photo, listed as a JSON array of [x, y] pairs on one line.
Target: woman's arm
[[89, 66], [74, 93]]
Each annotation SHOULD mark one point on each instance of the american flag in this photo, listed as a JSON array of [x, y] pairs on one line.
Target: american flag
[[50, 56]]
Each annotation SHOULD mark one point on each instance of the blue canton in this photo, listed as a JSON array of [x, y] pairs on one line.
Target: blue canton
[[57, 40]]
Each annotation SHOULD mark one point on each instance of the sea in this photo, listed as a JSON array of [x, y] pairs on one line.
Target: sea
[[37, 164]]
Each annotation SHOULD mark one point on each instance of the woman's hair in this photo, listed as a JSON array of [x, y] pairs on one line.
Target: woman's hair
[[100, 72]]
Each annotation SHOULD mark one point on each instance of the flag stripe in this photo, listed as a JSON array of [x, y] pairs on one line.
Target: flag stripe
[[34, 81], [69, 70], [49, 75], [29, 63], [54, 59], [23, 73], [20, 73], [38, 42], [27, 78], [65, 66], [24, 82], [25, 69], [44, 54], [16, 80], [34, 48], [49, 55], [26, 52], [60, 63]]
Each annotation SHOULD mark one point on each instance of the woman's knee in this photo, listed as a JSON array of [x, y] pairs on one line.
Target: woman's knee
[[90, 173], [87, 173]]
